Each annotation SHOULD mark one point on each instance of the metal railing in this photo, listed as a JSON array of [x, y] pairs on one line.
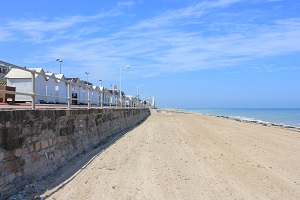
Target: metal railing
[[90, 98]]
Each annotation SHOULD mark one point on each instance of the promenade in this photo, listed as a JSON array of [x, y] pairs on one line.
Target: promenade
[[24, 106], [185, 156]]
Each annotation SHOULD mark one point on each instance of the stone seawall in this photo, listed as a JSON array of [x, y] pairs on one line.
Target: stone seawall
[[34, 143]]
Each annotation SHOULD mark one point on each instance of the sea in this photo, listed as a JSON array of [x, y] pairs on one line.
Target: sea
[[281, 116]]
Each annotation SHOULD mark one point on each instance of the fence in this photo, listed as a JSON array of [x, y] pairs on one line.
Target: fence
[[95, 97]]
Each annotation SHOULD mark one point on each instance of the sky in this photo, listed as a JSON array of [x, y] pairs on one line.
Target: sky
[[184, 53]]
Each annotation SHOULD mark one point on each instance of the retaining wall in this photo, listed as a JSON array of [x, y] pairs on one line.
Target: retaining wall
[[34, 143]]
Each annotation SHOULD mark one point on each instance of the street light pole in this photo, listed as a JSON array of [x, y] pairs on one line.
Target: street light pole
[[121, 83], [87, 77], [59, 60]]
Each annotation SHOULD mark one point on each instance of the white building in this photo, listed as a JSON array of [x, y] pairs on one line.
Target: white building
[[50, 87], [75, 90], [22, 80], [95, 99], [84, 91], [61, 88]]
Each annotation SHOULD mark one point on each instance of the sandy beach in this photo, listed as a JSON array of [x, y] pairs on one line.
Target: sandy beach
[[186, 156]]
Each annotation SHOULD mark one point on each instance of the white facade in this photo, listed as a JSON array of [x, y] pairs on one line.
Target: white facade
[[61, 88], [22, 80], [50, 87], [55, 86], [76, 91], [84, 93], [106, 96], [95, 99]]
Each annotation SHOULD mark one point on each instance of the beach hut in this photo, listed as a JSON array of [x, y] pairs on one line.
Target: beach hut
[[50, 87], [83, 92], [22, 80], [129, 101], [105, 96], [114, 97], [61, 88], [75, 89], [95, 100]]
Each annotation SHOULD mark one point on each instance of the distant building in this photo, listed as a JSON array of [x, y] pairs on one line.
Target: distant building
[[54, 88]]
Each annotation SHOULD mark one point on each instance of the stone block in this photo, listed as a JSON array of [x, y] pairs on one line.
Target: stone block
[[34, 138], [52, 149], [10, 177], [22, 184], [28, 169], [57, 154], [18, 152], [8, 189], [2, 181], [31, 148], [52, 158], [33, 156], [37, 146], [44, 144], [50, 141], [64, 138], [25, 150], [1, 156], [64, 152], [26, 158], [9, 166]]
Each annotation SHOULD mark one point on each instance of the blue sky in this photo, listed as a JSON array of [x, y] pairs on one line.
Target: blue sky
[[185, 53]]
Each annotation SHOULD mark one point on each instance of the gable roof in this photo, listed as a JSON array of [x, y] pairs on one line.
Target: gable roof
[[18, 73], [59, 77], [52, 76]]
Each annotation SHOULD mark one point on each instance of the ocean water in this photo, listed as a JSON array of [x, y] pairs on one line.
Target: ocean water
[[283, 116]]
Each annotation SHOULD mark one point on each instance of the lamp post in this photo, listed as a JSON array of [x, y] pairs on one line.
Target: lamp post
[[60, 61], [121, 82], [100, 82], [87, 77]]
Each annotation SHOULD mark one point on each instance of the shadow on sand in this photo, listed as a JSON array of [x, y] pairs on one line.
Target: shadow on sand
[[66, 173]]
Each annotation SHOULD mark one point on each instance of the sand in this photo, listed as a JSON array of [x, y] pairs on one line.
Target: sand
[[186, 156]]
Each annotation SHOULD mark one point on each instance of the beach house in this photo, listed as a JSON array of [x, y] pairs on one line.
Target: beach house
[[50, 87], [61, 88], [22, 81], [75, 89], [95, 98]]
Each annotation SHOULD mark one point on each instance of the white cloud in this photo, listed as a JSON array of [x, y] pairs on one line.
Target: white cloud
[[5, 35], [192, 38], [126, 4], [49, 30]]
